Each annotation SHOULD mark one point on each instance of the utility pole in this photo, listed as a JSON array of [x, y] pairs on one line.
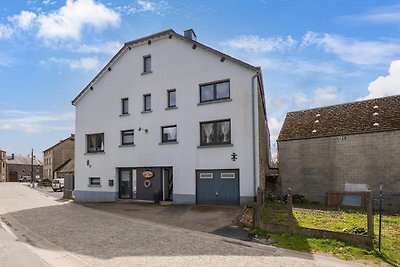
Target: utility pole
[[32, 181]]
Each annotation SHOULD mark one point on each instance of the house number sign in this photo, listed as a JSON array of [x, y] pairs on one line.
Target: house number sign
[[147, 174]]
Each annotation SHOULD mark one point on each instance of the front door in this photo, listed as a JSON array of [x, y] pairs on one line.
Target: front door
[[127, 183]]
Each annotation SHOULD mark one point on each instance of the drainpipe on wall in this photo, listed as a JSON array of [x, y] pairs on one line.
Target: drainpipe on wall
[[254, 132]]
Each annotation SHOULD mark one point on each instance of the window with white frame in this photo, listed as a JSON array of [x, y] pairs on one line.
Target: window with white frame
[[215, 132]]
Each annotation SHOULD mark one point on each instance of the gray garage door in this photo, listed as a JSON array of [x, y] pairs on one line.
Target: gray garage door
[[217, 187]]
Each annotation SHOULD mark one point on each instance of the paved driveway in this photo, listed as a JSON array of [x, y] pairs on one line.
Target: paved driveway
[[220, 220], [67, 234]]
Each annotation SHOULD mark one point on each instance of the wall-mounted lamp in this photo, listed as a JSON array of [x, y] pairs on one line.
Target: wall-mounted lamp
[[142, 129], [88, 163]]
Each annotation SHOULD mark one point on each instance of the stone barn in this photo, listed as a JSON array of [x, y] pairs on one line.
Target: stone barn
[[349, 147]]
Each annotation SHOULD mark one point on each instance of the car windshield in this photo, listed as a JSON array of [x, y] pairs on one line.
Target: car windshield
[[56, 182]]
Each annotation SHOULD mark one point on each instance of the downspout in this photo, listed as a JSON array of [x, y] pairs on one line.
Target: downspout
[[254, 133]]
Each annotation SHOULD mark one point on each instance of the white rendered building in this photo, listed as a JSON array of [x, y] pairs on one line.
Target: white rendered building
[[169, 117]]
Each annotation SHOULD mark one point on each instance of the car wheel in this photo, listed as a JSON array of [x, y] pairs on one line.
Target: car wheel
[[55, 190]]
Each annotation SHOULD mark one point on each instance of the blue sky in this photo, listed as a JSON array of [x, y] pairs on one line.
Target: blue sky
[[312, 53]]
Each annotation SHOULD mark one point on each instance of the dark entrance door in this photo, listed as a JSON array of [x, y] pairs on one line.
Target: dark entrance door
[[13, 177], [217, 187], [127, 183]]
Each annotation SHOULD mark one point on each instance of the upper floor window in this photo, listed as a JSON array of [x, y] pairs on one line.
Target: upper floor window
[[171, 98], [147, 102], [215, 132], [147, 64], [95, 143], [127, 137], [168, 134], [124, 106], [214, 91]]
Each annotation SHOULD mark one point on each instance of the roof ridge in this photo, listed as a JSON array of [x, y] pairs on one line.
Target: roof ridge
[[346, 103]]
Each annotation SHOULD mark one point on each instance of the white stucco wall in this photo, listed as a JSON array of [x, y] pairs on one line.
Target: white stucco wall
[[175, 65]]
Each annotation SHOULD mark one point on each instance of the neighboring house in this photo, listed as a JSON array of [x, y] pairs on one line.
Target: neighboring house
[[66, 169], [3, 166], [347, 147], [20, 167], [57, 156], [170, 116]]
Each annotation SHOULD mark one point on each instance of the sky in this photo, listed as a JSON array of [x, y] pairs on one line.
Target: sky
[[312, 53]]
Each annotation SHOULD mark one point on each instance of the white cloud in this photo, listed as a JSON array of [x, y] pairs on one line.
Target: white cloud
[[386, 85], [86, 63], [353, 50], [68, 22], [383, 14], [324, 96], [143, 6], [321, 96], [23, 20], [5, 31], [48, 2], [274, 126], [108, 48], [146, 5], [33, 122], [301, 99], [255, 43]]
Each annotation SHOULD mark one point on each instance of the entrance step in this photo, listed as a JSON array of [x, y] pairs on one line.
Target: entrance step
[[165, 203], [136, 201]]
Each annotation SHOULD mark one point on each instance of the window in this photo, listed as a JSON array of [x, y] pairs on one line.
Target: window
[[147, 102], [95, 143], [171, 98], [94, 181], [125, 106], [215, 133], [214, 91], [127, 137], [168, 134], [147, 64], [228, 175], [205, 175]]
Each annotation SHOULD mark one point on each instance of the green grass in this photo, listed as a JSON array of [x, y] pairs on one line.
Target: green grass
[[321, 217]]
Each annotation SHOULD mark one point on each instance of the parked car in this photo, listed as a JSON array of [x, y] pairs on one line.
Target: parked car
[[57, 184], [24, 179]]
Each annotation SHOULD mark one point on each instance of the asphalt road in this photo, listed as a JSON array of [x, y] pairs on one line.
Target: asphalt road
[[66, 234]]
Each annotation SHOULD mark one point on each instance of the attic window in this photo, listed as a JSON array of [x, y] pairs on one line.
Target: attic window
[[376, 124], [375, 107], [375, 114], [314, 131], [316, 121], [318, 115]]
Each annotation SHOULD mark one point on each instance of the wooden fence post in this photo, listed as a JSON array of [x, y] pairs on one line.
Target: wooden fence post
[[370, 217], [290, 211]]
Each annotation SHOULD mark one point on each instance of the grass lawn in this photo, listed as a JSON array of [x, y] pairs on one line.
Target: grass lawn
[[321, 217]]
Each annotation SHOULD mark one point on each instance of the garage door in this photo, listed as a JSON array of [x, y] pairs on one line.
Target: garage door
[[217, 187]]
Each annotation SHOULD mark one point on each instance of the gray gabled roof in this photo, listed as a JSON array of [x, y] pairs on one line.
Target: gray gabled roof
[[72, 137], [23, 161], [167, 33], [374, 115]]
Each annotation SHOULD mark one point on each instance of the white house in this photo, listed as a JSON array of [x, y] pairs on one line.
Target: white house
[[171, 117]]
